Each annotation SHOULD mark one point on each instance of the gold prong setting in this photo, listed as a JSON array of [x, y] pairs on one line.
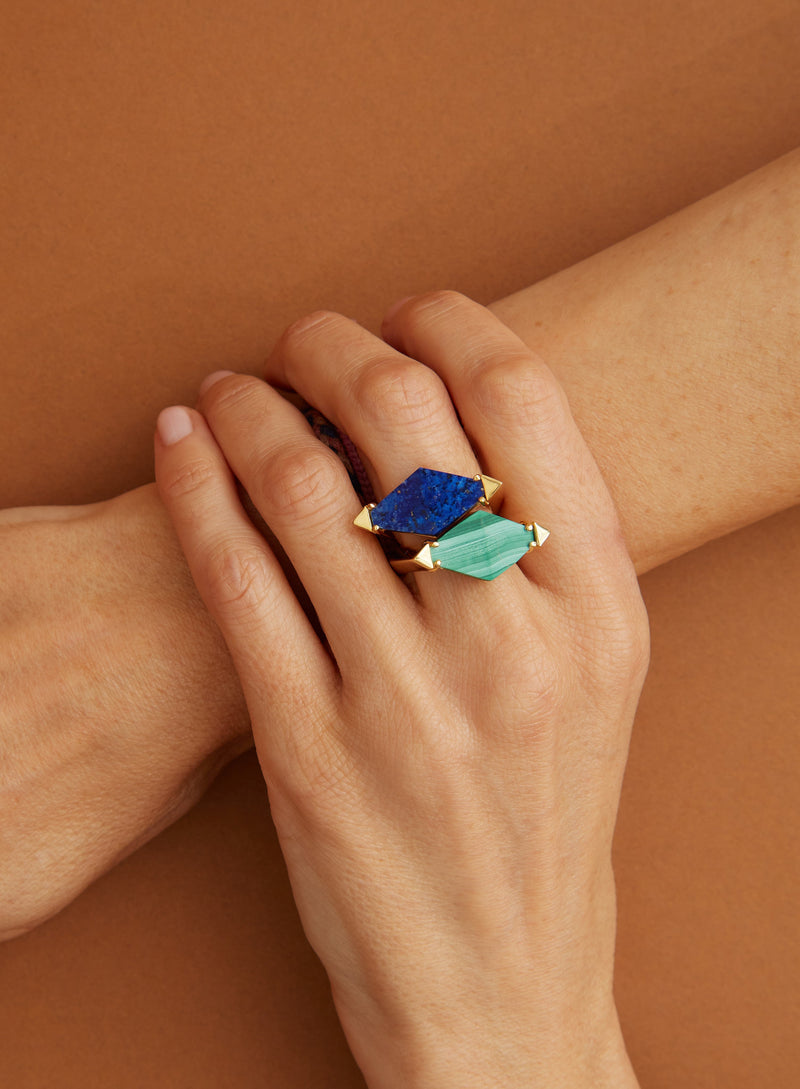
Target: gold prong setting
[[364, 519], [430, 504]]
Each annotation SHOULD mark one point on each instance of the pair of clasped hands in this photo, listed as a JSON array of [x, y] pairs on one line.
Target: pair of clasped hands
[[443, 755]]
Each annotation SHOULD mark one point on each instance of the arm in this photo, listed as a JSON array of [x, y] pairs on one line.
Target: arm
[[679, 350], [447, 838]]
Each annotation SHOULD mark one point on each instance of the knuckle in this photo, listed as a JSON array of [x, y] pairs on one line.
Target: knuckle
[[518, 387], [309, 324], [429, 307], [240, 579], [636, 643], [229, 393], [306, 483], [322, 780], [313, 772], [440, 301], [402, 391], [187, 479], [616, 609], [622, 642]]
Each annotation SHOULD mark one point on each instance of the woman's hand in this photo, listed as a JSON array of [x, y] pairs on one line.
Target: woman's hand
[[444, 772], [109, 730]]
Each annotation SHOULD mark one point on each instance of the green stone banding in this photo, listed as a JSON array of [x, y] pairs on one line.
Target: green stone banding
[[484, 545]]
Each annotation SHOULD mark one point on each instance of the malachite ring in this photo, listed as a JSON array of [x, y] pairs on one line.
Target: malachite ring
[[455, 514]]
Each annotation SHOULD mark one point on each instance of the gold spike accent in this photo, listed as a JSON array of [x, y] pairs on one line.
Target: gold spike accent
[[363, 519], [541, 534], [423, 559], [491, 488]]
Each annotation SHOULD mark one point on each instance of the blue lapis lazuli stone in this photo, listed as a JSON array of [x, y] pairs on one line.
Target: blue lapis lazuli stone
[[427, 502]]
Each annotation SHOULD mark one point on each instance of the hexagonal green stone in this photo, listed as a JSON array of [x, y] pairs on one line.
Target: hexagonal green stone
[[484, 545]]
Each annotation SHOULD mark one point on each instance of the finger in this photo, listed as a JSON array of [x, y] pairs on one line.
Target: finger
[[519, 424], [304, 494], [277, 655], [399, 414], [396, 411]]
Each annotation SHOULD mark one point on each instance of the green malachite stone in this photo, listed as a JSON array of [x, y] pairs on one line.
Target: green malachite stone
[[484, 545]]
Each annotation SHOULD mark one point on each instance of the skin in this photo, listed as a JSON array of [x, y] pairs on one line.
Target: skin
[[670, 385], [108, 744], [448, 839], [678, 351]]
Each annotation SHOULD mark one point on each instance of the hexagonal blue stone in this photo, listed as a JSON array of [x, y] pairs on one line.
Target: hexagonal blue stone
[[427, 502]]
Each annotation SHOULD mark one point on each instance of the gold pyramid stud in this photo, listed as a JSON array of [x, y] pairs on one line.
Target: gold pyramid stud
[[423, 559], [363, 519], [490, 487], [540, 534]]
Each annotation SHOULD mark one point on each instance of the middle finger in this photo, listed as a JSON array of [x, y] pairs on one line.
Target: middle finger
[[398, 413], [396, 410]]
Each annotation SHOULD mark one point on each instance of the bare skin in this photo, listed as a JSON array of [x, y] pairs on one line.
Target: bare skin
[[678, 352], [448, 838], [107, 731]]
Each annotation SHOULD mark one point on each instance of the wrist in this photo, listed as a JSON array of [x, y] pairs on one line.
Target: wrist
[[478, 1049], [607, 1071], [190, 661], [122, 731]]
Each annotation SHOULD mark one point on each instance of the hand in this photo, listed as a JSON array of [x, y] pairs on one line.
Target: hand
[[444, 772], [109, 731]]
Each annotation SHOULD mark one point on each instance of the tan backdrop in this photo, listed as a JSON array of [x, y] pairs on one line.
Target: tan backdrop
[[182, 179]]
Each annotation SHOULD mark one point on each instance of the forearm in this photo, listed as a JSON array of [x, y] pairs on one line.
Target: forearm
[[679, 349]]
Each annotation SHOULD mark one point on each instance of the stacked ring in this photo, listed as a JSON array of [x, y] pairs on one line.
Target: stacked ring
[[454, 514]]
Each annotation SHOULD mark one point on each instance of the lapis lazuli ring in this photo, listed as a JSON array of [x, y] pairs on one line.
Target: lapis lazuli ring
[[455, 514]]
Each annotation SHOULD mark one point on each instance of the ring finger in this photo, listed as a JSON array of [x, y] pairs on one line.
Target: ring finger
[[396, 410], [517, 416]]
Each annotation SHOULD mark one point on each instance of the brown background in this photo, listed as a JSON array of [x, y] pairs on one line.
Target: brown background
[[182, 179]]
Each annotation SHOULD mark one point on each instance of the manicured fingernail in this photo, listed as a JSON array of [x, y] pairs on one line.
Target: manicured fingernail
[[210, 379], [174, 424], [390, 313]]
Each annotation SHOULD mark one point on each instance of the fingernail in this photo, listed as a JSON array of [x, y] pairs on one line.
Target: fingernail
[[390, 313], [173, 424], [210, 379]]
